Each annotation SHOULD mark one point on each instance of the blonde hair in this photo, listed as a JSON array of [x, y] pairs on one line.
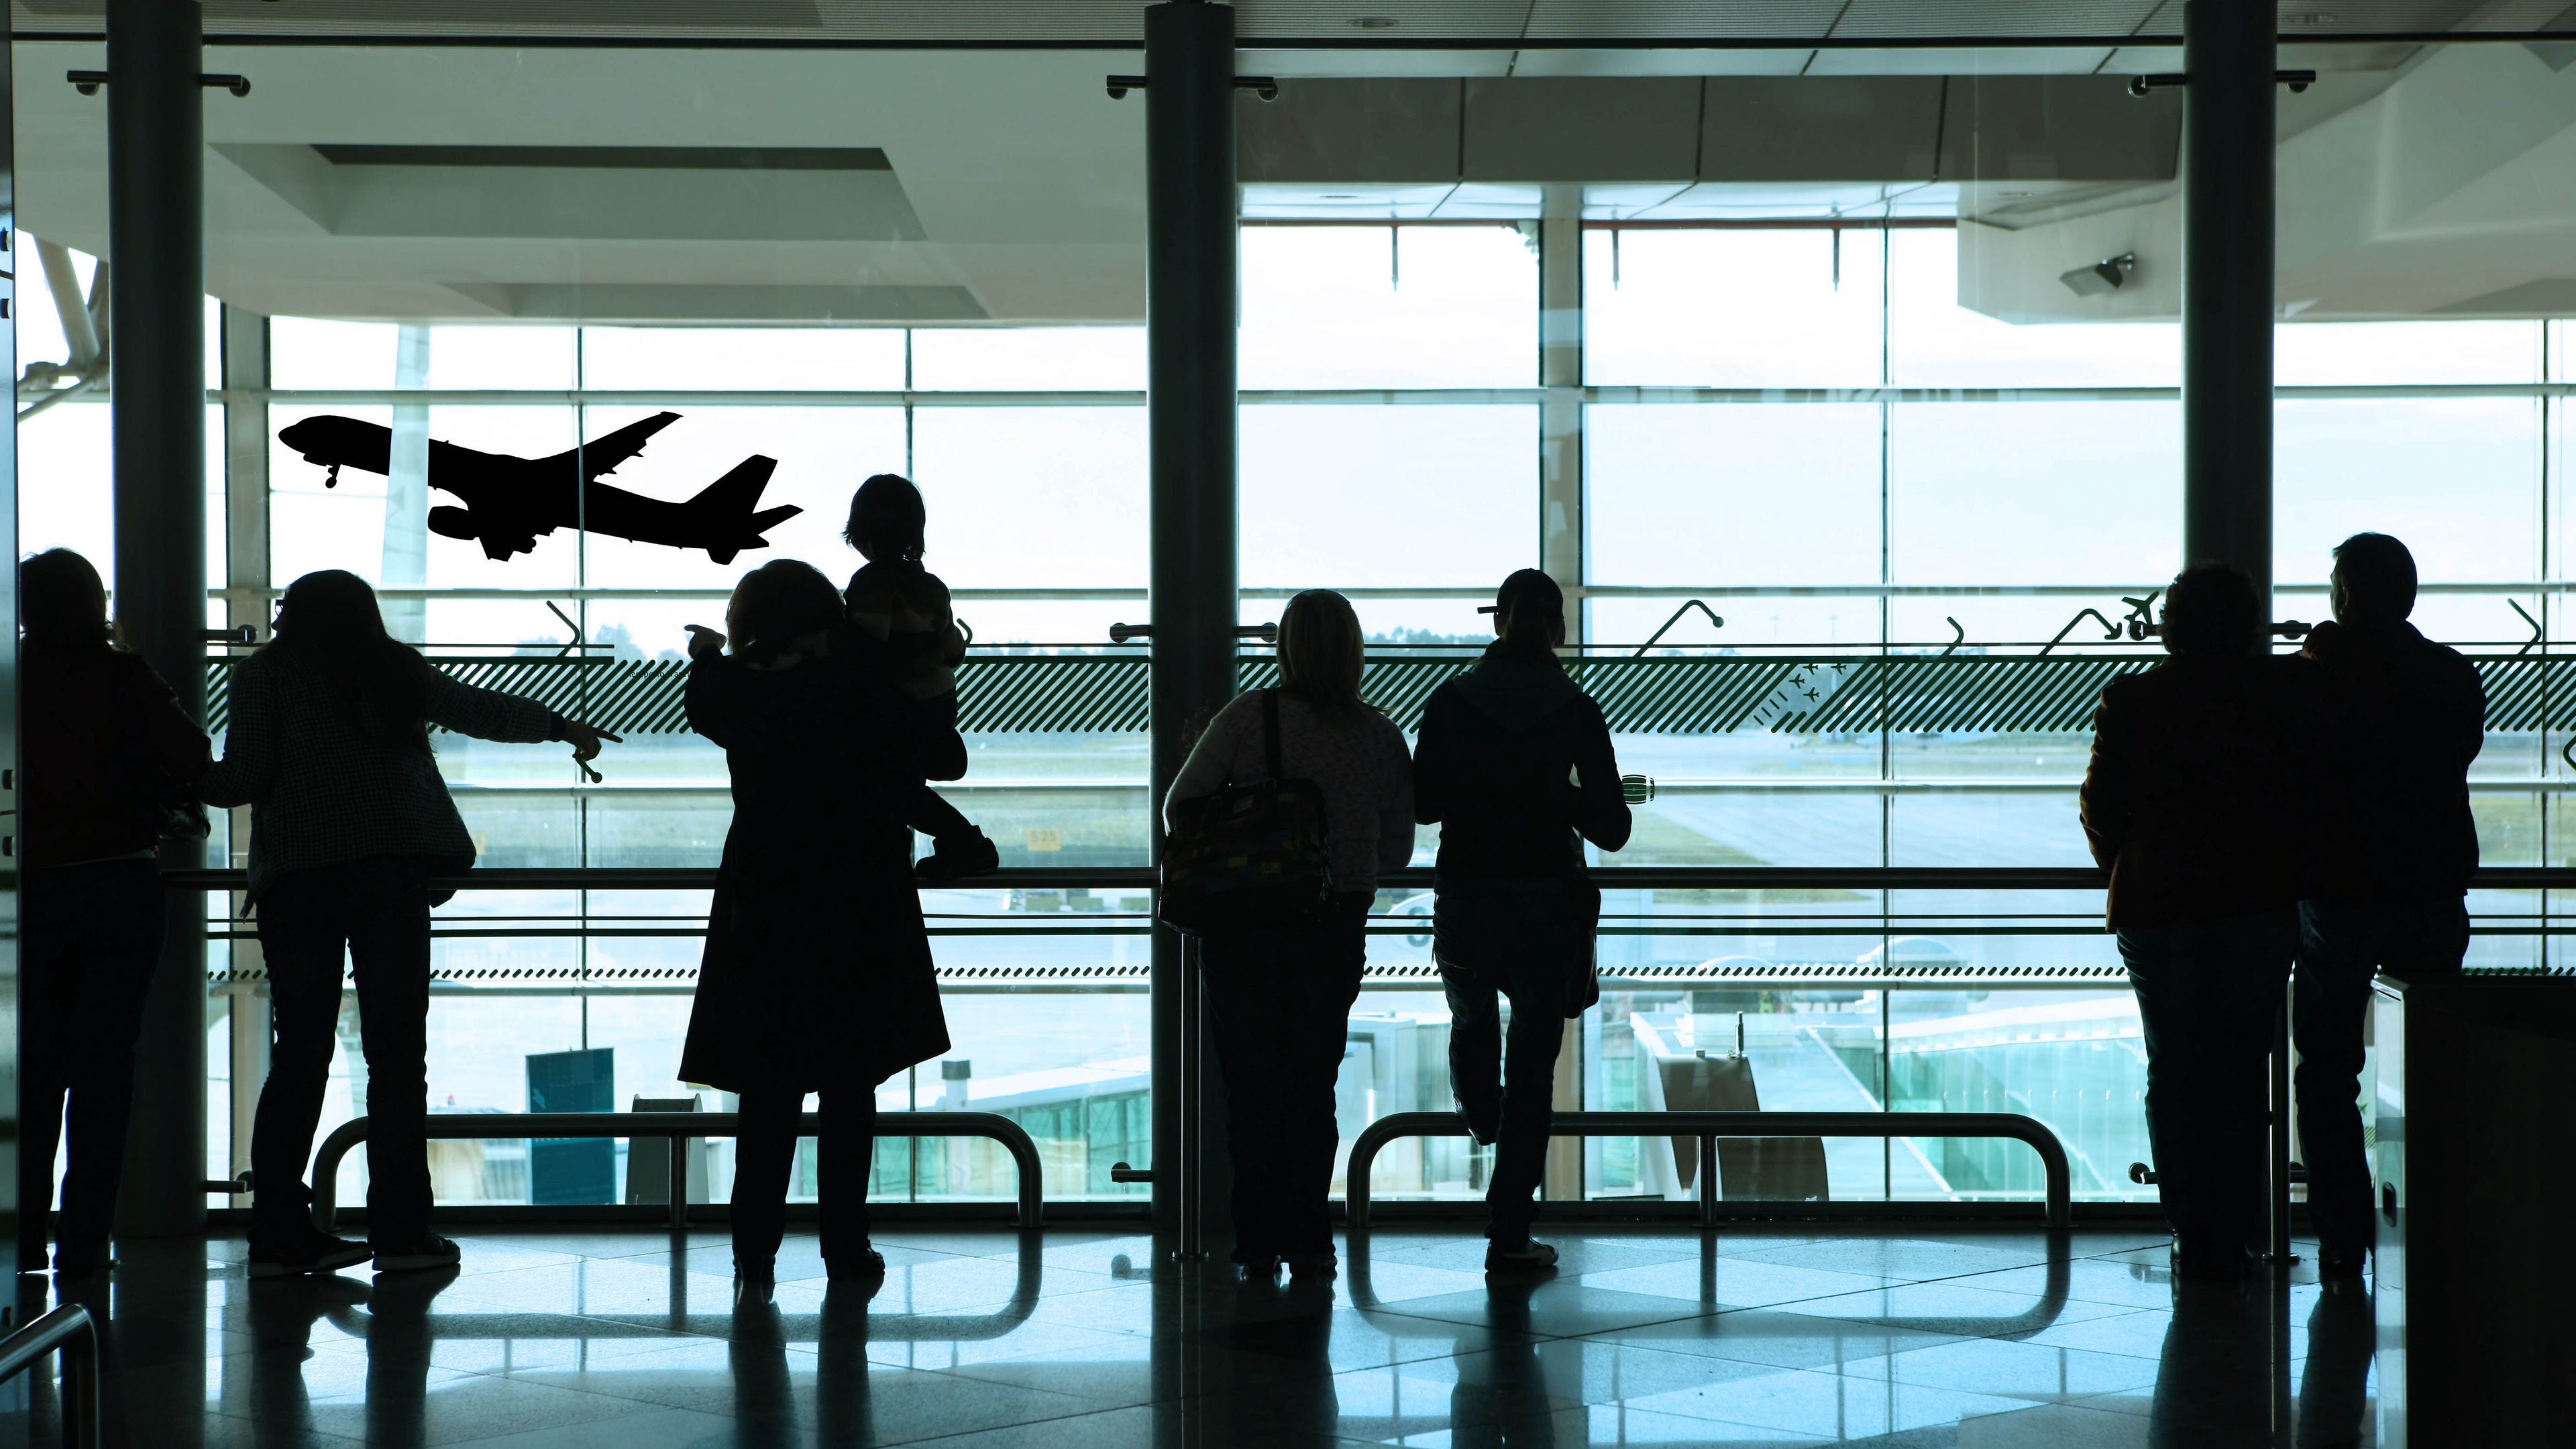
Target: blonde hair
[[1320, 655]]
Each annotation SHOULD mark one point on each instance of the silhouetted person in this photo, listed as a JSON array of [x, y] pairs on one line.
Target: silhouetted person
[[1514, 763], [900, 614], [329, 746], [817, 976], [2394, 859], [2193, 803], [1281, 996], [104, 749]]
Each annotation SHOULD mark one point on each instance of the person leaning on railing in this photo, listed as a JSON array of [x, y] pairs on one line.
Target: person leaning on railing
[[2197, 802], [817, 975], [1514, 764], [105, 749], [329, 746], [1280, 995], [2394, 860]]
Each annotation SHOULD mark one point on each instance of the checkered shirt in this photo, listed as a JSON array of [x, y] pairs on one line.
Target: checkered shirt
[[322, 791]]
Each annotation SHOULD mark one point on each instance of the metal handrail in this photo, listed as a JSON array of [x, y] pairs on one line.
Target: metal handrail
[[678, 1126], [71, 1330], [1416, 878], [1709, 1126]]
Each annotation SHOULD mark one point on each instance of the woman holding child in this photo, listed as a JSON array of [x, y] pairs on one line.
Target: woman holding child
[[817, 975]]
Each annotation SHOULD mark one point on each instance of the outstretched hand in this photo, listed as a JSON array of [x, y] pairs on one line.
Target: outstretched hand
[[704, 643], [586, 740]]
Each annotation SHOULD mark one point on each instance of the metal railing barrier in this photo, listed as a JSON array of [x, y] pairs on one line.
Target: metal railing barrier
[[74, 1333], [1709, 1126], [679, 1126]]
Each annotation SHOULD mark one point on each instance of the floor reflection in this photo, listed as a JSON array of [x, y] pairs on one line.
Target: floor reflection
[[1069, 1340]]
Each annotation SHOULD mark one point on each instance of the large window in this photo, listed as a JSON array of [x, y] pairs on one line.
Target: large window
[[1921, 525]]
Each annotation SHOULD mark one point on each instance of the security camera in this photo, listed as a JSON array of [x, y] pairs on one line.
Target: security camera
[[2102, 278]]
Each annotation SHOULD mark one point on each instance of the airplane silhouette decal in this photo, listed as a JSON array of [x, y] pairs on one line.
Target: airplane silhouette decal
[[509, 501]]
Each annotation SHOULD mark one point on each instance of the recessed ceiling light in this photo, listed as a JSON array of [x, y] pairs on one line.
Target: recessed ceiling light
[[2308, 17], [1341, 196], [1373, 22]]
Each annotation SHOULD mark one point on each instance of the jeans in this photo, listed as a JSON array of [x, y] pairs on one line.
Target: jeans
[[765, 1158], [1281, 1005], [2341, 943], [377, 911], [90, 938], [1525, 942], [2207, 991]]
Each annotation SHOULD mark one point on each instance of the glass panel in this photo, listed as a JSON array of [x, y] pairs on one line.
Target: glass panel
[[2457, 478], [1733, 495], [1767, 308], [752, 359], [1063, 359], [2035, 493], [1353, 496], [1435, 306]]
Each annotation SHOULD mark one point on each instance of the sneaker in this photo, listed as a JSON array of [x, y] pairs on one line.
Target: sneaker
[[1482, 1131], [2342, 1262], [314, 1251], [430, 1252], [1257, 1267], [1529, 1255], [1313, 1267]]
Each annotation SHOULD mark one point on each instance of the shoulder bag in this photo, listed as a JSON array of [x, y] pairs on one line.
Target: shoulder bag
[[1249, 857]]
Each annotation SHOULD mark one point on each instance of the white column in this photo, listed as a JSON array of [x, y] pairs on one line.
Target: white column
[[246, 602], [406, 561]]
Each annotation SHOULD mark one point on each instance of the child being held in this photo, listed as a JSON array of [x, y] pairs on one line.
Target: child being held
[[904, 609], [896, 601]]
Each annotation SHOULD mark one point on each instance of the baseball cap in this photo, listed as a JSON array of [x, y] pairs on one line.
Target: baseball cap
[[1527, 586]]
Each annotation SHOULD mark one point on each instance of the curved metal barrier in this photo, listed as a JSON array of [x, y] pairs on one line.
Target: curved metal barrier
[[503, 1126], [1709, 1126], [70, 1330]]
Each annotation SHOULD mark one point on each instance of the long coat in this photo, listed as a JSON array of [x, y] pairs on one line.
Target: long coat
[[817, 968]]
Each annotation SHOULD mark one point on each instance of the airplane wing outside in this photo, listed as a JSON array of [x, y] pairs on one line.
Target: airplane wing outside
[[603, 454]]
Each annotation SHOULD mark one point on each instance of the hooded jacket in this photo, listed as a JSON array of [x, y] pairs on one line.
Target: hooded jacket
[[1514, 764]]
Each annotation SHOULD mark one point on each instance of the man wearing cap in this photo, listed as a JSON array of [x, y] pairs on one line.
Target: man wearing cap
[[1515, 765]]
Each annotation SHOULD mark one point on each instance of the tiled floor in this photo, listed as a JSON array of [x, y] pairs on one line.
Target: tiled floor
[[1081, 1339]]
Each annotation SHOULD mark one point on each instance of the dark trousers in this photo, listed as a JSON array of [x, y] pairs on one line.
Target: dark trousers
[[89, 940], [2207, 991], [376, 911], [2341, 943], [1281, 1004], [765, 1158], [1525, 944]]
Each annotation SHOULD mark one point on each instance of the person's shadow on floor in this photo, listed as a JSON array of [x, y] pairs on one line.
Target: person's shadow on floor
[[2214, 1378], [2334, 1393], [399, 1340], [279, 1314], [1501, 1396]]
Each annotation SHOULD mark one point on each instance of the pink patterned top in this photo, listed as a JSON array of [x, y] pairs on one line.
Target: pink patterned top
[[1367, 779]]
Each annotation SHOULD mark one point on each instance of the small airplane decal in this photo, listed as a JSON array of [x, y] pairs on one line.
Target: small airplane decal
[[509, 501]]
